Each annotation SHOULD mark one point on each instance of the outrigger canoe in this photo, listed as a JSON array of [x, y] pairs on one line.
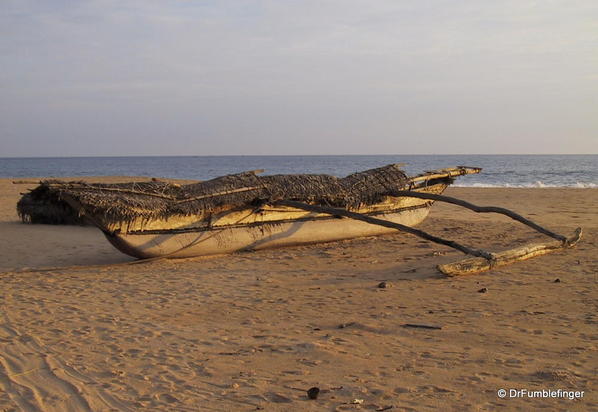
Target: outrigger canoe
[[249, 212], [237, 212]]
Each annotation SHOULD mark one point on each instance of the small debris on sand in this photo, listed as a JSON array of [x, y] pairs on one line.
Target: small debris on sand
[[312, 393], [417, 325]]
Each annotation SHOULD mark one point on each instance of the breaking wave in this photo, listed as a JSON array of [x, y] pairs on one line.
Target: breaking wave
[[536, 184]]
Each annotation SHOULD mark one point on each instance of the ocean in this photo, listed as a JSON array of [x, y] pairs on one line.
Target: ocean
[[578, 171]]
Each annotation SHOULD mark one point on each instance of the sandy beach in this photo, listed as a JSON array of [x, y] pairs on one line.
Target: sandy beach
[[84, 327]]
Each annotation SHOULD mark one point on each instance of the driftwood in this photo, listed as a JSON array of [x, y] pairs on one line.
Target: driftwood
[[475, 265]]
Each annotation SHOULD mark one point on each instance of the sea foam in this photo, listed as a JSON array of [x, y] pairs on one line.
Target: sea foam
[[536, 184]]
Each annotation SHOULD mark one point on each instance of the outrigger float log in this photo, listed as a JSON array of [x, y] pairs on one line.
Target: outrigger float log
[[248, 212]]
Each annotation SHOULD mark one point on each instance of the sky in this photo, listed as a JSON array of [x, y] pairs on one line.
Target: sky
[[294, 77]]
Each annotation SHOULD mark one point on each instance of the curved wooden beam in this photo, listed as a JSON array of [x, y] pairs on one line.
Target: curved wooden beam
[[480, 209], [374, 221]]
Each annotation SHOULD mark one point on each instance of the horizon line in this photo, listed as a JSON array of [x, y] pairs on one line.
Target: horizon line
[[301, 155]]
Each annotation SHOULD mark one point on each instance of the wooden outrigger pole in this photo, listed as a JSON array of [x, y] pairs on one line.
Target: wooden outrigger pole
[[483, 260]]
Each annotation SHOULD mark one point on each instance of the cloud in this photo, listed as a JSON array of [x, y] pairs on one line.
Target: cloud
[[350, 76]]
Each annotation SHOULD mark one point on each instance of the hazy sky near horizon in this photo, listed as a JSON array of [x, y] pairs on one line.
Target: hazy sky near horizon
[[217, 77]]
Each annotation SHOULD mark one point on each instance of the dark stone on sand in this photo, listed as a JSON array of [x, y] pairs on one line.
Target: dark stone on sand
[[312, 393], [557, 280], [421, 326], [483, 290], [384, 285]]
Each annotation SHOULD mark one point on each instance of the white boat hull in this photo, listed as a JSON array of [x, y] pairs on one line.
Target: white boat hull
[[261, 236]]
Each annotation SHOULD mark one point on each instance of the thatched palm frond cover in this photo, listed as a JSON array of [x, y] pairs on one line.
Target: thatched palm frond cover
[[125, 202], [46, 204]]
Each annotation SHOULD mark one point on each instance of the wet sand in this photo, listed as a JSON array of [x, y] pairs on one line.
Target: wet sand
[[253, 331]]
